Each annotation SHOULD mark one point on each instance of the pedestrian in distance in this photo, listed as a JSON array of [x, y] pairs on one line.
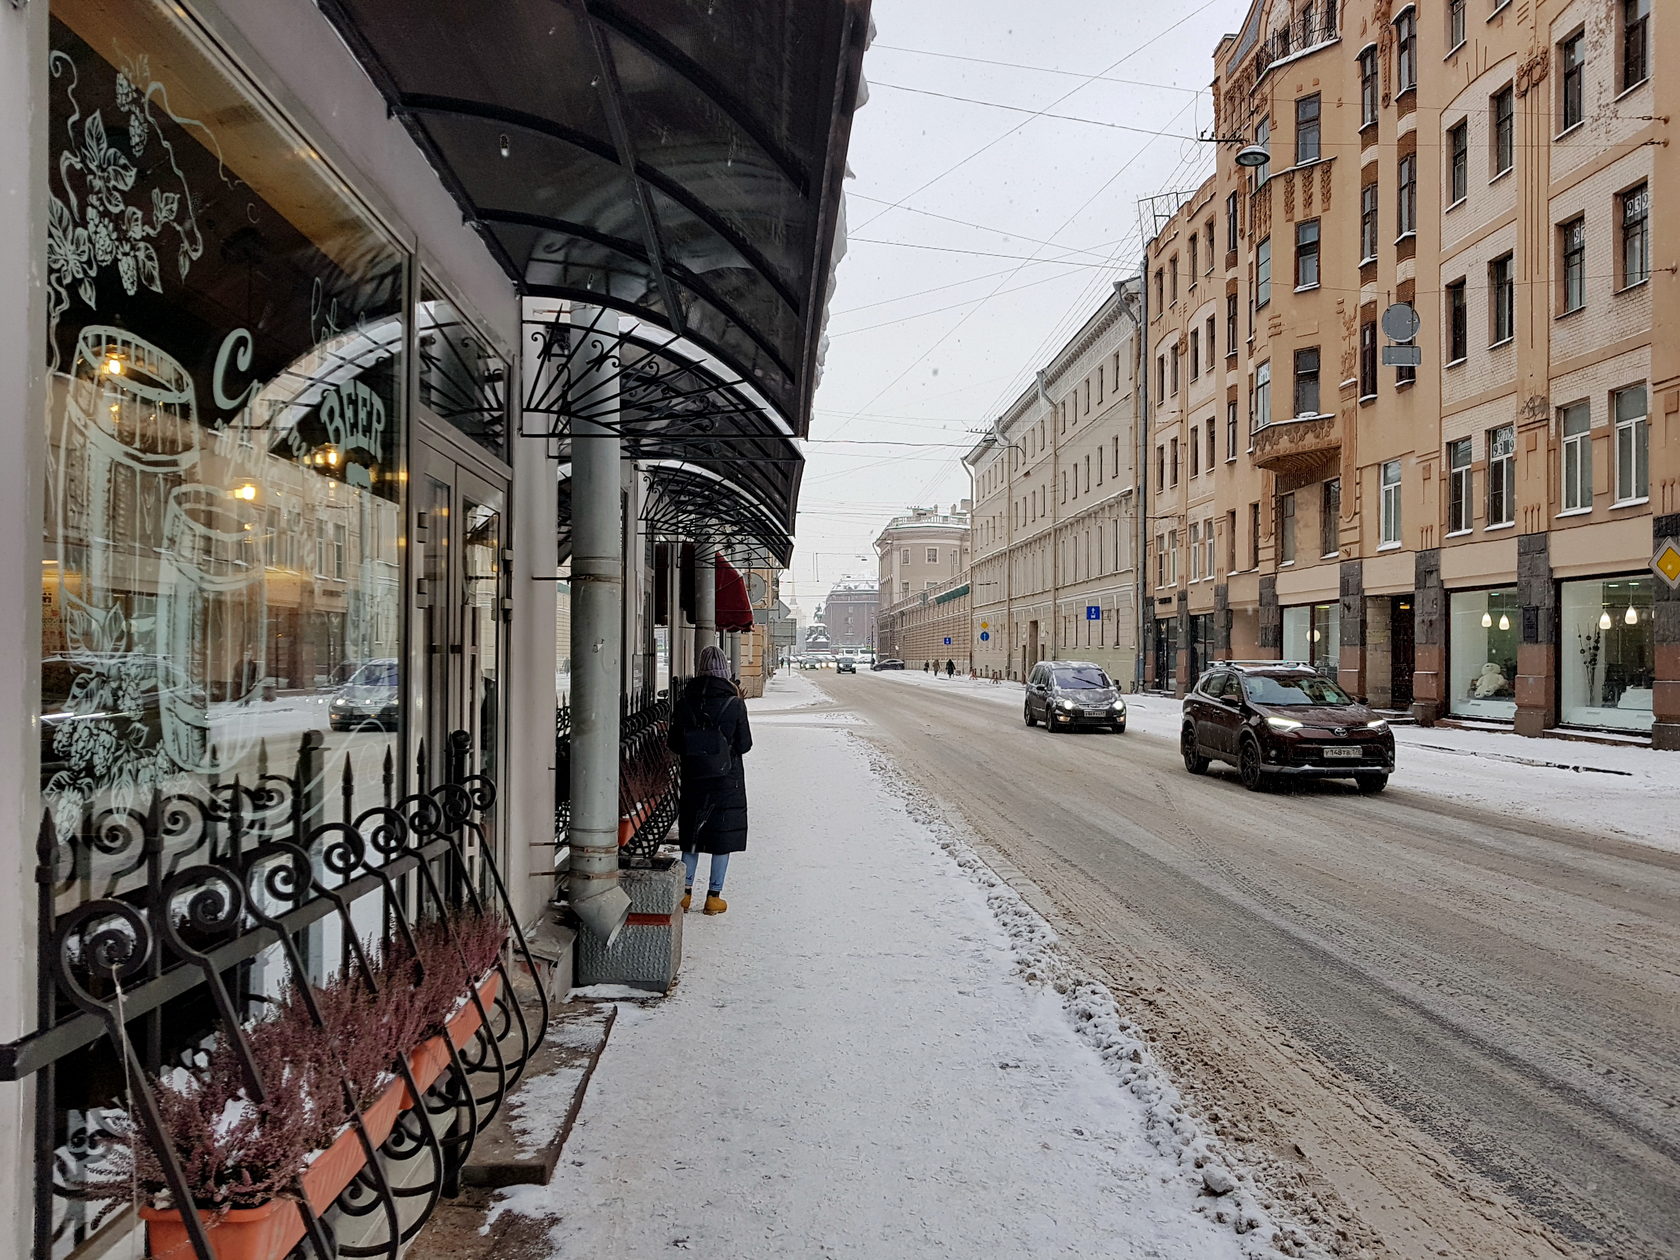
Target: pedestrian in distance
[[950, 668], [709, 732]]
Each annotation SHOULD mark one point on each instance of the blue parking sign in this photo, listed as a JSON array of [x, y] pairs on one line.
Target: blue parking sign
[[947, 640], [1093, 612], [985, 635]]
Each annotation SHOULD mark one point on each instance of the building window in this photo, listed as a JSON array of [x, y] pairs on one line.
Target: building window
[[905, 557], [1230, 324], [1632, 444], [1458, 163], [1254, 535], [1160, 291], [1160, 560], [1636, 42], [1306, 382], [1504, 135], [1263, 273], [1263, 142], [1172, 448], [1195, 354], [1172, 369], [1306, 254], [1161, 377], [1502, 294], [1482, 642], [933, 555], [1286, 529], [1231, 541], [1210, 247], [1389, 481], [1172, 557], [1172, 276], [1329, 509], [1195, 246], [1195, 451], [1368, 359], [1307, 129], [1230, 431], [1458, 466], [1502, 475], [1211, 453], [1368, 93], [1571, 89], [1367, 224], [1209, 343], [1230, 225], [1572, 266], [1195, 551], [1160, 468], [1576, 422], [1260, 398], [1455, 23], [1458, 323], [1608, 674], [1405, 51], [1405, 209], [1636, 236]]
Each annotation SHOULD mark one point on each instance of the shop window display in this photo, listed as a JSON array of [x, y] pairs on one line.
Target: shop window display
[[225, 348], [1607, 653], [1485, 629], [1313, 633]]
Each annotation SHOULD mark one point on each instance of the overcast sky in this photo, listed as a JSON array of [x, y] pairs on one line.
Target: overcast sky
[[938, 320]]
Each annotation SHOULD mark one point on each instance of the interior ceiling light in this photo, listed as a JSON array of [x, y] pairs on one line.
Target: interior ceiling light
[[1604, 620], [1487, 620], [1632, 616], [1504, 622]]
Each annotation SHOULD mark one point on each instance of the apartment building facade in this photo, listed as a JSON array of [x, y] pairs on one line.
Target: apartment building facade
[[922, 554], [1472, 538], [1055, 507]]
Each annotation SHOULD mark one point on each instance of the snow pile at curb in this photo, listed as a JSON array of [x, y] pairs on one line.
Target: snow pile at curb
[[1223, 1188]]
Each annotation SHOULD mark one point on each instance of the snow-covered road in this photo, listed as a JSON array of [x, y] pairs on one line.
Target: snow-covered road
[[1448, 1012]]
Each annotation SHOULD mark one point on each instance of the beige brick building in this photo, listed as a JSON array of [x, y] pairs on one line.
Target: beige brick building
[[1055, 516], [1471, 539]]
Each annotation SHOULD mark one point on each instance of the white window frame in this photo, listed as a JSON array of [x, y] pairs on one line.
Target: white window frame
[[1461, 506], [1576, 456], [1501, 476], [1633, 439], [1389, 484]]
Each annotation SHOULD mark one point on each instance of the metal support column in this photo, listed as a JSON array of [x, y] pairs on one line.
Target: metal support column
[[705, 596], [597, 643]]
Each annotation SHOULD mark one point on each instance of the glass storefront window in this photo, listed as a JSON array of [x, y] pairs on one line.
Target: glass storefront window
[[1312, 633], [225, 476], [1482, 669], [463, 377], [1607, 653]]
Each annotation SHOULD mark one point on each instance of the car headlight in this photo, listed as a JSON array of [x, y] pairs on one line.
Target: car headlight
[[1064, 704], [1119, 706], [1381, 724], [1283, 724], [341, 704]]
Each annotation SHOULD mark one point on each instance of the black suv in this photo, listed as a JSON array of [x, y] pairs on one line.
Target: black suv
[[1268, 718], [1065, 694]]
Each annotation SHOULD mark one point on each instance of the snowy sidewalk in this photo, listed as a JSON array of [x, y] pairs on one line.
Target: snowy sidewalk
[[853, 1063]]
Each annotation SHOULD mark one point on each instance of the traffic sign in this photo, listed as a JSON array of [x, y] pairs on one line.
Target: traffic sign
[[1402, 356], [985, 635], [1666, 563], [1400, 322], [947, 640], [1093, 612], [985, 625]]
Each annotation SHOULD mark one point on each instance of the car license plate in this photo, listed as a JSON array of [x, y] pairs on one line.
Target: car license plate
[[1343, 753], [1096, 712]]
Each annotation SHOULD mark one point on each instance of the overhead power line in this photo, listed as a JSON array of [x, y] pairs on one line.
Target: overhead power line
[[1016, 65], [1036, 113]]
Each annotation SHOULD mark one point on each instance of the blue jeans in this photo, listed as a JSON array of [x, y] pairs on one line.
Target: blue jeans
[[720, 868]]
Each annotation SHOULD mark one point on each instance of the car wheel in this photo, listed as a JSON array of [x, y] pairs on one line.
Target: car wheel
[[1248, 766], [1371, 784], [1194, 762], [1026, 715]]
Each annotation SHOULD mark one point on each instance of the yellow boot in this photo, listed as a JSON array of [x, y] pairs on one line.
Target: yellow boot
[[714, 904], [688, 896]]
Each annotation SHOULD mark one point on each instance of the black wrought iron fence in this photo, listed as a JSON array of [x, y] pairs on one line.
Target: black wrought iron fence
[[184, 922]]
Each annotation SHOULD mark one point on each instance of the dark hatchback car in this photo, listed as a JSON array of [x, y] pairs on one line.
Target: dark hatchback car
[[1270, 719], [1066, 694], [846, 665], [890, 662]]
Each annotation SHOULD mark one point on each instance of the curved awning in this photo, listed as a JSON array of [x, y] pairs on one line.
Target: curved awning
[[734, 607], [676, 160]]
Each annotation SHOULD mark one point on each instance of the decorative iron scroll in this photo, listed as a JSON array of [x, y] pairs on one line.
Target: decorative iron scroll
[[165, 924]]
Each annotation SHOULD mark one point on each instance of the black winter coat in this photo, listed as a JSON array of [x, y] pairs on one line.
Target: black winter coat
[[712, 813]]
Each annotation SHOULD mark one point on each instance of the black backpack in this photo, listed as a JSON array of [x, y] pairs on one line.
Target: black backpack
[[705, 749]]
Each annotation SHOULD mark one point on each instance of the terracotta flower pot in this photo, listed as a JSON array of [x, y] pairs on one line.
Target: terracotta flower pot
[[259, 1233], [635, 818], [427, 1061]]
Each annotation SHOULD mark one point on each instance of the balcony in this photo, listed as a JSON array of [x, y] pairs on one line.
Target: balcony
[[1298, 445]]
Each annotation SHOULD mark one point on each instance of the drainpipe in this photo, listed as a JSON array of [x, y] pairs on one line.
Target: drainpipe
[[705, 597], [597, 645], [1055, 520], [1140, 391]]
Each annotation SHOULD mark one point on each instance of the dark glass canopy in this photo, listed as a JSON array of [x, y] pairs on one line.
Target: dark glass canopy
[[677, 160]]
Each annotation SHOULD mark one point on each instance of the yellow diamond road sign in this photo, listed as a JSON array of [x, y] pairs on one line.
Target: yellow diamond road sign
[[1666, 562], [985, 625]]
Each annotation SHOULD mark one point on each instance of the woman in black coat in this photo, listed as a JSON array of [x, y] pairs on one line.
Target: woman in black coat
[[712, 810]]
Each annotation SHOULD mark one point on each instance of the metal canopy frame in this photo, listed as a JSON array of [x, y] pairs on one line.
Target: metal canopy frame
[[723, 465], [679, 161]]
